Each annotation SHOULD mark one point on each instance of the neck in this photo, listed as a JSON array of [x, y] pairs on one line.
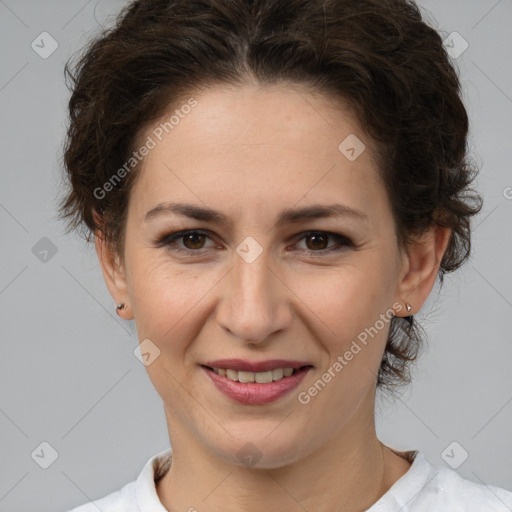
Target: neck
[[349, 472]]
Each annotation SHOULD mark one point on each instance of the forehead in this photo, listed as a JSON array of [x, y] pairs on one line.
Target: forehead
[[253, 147]]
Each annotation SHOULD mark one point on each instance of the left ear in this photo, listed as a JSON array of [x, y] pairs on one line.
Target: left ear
[[421, 266]]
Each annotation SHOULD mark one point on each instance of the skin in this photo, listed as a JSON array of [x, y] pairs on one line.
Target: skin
[[249, 152]]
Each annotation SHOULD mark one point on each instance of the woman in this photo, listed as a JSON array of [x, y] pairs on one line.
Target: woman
[[211, 145]]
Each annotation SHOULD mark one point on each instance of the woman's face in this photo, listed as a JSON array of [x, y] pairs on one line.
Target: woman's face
[[252, 288]]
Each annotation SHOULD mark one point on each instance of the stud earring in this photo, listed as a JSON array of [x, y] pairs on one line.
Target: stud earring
[[408, 306], [120, 307]]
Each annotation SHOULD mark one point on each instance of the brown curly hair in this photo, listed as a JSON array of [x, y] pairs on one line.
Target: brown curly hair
[[379, 57]]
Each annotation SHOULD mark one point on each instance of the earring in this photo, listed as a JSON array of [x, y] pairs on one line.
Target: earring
[[408, 306], [120, 307]]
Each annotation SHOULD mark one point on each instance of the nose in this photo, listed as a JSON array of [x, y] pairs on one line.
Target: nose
[[254, 302]]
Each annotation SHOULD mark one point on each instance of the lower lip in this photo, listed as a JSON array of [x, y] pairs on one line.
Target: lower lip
[[253, 393]]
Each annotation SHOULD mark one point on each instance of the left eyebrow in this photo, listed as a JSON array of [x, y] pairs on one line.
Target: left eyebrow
[[288, 216]]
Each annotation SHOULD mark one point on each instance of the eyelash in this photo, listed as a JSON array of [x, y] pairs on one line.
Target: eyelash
[[168, 241]]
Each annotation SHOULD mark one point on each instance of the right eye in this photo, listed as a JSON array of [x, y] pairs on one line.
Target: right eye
[[192, 238]]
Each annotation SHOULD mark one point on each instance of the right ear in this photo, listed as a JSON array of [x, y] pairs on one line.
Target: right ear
[[112, 269]]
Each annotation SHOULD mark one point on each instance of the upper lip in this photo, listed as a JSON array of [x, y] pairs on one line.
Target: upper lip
[[255, 366]]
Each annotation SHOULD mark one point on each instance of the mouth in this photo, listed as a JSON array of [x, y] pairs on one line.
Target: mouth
[[262, 377], [256, 388]]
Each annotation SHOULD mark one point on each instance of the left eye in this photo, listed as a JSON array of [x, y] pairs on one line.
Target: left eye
[[316, 237], [193, 241]]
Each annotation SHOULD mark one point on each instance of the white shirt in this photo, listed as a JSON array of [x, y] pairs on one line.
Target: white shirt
[[424, 488]]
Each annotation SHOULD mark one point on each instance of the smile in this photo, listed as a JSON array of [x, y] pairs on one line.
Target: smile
[[259, 377], [256, 388]]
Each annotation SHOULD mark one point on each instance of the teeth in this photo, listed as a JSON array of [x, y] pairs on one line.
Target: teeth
[[232, 374], [264, 377], [246, 376], [259, 377], [277, 374]]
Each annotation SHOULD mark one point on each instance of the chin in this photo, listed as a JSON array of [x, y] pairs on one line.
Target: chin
[[261, 450]]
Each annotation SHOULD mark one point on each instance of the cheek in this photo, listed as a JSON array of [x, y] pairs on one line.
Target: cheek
[[346, 299], [353, 335], [166, 299], [169, 300], [159, 295]]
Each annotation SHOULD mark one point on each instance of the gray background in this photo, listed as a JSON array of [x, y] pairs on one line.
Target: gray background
[[68, 373]]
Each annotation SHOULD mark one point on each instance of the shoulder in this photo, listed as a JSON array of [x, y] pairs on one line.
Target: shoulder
[[450, 490], [426, 487], [123, 500], [134, 495]]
